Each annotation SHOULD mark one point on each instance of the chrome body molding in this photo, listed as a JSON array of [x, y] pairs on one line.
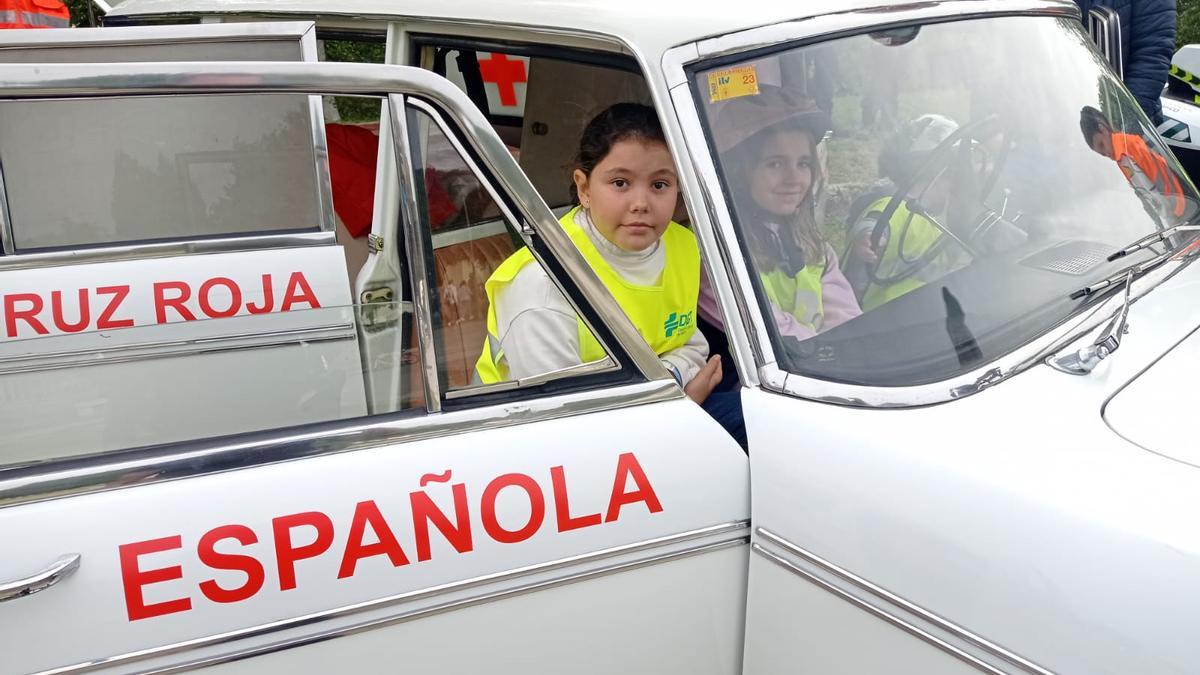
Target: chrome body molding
[[165, 249], [739, 302], [598, 563], [890, 607], [171, 348], [52, 479]]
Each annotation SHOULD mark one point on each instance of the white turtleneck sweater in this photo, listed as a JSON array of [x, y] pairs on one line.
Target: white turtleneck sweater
[[537, 327]]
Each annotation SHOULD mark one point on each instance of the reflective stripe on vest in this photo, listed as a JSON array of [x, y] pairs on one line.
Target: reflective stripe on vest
[[665, 314], [799, 295], [40, 14], [917, 235]]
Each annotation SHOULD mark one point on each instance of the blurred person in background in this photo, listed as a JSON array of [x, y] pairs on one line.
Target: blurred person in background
[[1147, 43], [34, 14]]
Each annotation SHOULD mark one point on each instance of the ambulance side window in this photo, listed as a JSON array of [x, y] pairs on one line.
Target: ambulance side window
[[469, 235], [533, 98], [124, 171]]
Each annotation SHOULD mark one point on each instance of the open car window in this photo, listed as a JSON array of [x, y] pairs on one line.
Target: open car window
[[907, 221]]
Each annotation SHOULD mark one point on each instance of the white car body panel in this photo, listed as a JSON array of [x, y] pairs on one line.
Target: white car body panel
[[1043, 539], [710, 489]]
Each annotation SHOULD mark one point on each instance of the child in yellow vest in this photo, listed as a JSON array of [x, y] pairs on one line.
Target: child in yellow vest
[[626, 189]]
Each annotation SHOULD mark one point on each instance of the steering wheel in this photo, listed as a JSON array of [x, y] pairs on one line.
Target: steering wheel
[[951, 155]]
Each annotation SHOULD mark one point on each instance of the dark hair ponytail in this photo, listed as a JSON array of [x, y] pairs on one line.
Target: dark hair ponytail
[[619, 122]]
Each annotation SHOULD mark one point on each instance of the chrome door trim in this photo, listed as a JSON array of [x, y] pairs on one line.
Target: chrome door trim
[[55, 572], [73, 476], [676, 65], [877, 596], [166, 248], [144, 351], [679, 545], [415, 252]]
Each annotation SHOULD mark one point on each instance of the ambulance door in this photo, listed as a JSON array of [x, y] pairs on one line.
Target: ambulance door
[[590, 520]]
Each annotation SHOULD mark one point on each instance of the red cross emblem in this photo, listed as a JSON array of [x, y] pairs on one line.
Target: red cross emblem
[[505, 74]]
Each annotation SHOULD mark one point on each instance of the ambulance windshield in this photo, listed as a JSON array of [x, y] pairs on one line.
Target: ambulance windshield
[[918, 202]]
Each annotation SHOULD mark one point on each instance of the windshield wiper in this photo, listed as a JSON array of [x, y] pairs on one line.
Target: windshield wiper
[[1151, 239], [1135, 271], [1085, 359]]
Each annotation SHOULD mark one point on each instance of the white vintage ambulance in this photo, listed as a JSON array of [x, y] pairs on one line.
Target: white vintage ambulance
[[240, 428]]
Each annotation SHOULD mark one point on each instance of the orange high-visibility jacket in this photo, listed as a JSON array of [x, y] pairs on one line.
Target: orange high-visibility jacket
[[34, 14], [1152, 164]]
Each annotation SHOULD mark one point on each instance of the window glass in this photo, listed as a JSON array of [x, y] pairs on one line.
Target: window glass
[[178, 375], [518, 327], [537, 107], [110, 171], [907, 219]]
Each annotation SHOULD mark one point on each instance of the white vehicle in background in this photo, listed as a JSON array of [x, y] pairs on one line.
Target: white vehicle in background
[[239, 437]]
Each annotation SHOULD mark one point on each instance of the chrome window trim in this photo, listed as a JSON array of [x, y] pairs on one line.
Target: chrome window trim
[[6, 232], [321, 175], [739, 302], [166, 249], [679, 545], [415, 252], [607, 364], [795, 559], [145, 351], [73, 476], [303, 31]]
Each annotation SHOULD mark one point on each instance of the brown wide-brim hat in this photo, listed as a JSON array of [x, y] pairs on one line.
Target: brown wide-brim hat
[[736, 120]]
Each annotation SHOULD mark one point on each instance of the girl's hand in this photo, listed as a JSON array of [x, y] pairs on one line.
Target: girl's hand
[[705, 381], [862, 247]]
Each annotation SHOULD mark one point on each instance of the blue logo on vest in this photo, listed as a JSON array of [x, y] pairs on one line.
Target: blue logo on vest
[[677, 321]]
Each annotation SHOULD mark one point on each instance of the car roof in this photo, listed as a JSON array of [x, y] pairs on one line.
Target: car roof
[[647, 27]]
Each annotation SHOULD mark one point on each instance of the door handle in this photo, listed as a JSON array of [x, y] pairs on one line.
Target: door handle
[[40, 581]]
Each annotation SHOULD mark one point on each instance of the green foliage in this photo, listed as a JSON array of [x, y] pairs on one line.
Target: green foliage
[[1187, 30], [83, 12], [349, 108]]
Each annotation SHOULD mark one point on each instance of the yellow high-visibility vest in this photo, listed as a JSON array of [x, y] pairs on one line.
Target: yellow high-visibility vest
[[664, 314], [798, 295], [917, 235]]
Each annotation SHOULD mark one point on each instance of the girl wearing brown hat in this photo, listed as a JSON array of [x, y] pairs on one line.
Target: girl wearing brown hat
[[768, 145]]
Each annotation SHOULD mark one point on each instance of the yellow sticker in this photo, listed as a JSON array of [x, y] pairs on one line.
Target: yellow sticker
[[732, 83]]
